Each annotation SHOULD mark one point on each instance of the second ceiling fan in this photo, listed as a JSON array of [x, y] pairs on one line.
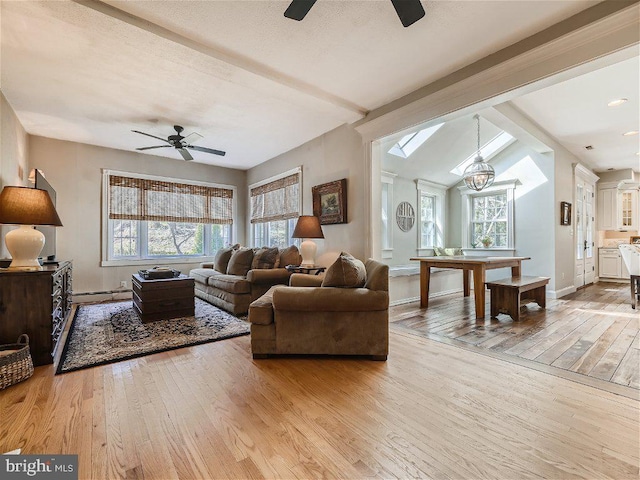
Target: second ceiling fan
[[409, 11]]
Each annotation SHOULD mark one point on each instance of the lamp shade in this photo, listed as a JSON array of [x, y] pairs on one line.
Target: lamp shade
[[308, 226], [27, 206]]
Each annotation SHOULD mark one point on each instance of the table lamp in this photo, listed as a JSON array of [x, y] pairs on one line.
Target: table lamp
[[26, 207], [308, 226]]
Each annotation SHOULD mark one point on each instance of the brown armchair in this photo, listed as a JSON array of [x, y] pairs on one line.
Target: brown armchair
[[323, 320]]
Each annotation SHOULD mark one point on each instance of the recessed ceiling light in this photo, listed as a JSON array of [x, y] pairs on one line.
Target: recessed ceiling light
[[630, 133], [617, 102]]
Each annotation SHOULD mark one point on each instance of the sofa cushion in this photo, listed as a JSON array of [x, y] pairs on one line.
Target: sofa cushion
[[240, 262], [202, 275], [346, 272], [444, 252], [265, 257], [221, 260], [230, 283], [290, 256]]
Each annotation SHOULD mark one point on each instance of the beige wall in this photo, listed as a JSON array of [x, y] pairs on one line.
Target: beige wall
[[75, 171], [13, 156], [332, 156]]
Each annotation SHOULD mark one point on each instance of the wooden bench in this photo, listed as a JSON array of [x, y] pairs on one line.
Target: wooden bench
[[509, 294]]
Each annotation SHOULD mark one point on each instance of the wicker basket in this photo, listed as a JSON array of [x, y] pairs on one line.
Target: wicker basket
[[17, 365]]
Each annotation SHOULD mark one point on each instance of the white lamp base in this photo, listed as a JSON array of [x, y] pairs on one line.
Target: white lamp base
[[308, 250], [25, 244]]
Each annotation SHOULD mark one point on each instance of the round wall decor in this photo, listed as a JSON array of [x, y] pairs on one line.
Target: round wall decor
[[405, 216]]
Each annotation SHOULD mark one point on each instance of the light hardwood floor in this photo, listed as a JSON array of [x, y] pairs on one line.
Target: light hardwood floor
[[431, 411], [592, 333]]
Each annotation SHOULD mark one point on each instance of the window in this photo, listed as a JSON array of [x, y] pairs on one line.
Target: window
[[153, 218], [410, 143], [487, 151], [387, 214], [275, 208], [427, 220], [488, 217], [489, 220], [431, 198]]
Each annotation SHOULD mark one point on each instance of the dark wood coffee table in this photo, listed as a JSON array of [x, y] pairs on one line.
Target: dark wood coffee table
[[163, 298]]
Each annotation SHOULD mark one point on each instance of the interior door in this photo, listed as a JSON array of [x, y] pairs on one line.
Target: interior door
[[584, 233]]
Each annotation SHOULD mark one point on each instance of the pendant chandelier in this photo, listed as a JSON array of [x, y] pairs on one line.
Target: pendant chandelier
[[479, 174]]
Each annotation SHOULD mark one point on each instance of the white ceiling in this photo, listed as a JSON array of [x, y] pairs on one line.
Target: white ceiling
[[575, 112], [249, 80]]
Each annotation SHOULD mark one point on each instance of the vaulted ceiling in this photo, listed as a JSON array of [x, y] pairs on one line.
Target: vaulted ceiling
[[251, 81]]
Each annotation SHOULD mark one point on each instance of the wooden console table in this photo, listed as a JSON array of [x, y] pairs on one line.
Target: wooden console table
[[38, 303], [477, 265]]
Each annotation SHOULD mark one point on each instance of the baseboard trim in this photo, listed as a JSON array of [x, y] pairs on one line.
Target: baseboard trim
[[562, 292], [105, 296]]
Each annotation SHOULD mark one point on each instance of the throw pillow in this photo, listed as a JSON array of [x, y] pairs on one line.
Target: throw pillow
[[240, 262], [265, 257], [221, 260], [446, 252], [346, 272], [290, 256]]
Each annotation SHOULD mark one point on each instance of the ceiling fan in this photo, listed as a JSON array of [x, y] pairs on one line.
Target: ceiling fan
[[180, 143], [409, 11]]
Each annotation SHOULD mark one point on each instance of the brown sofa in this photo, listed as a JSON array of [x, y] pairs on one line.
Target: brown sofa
[[305, 319], [234, 292]]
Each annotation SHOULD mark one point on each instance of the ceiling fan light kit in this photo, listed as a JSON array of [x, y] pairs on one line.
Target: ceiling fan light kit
[[180, 143], [409, 11]]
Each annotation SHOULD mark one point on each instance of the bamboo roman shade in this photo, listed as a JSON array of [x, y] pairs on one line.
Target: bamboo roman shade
[[277, 200], [133, 198]]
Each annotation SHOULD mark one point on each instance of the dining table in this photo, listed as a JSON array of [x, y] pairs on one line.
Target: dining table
[[469, 264]]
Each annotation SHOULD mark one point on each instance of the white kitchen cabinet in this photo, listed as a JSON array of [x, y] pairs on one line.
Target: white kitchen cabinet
[[611, 265], [617, 209], [628, 210], [607, 208]]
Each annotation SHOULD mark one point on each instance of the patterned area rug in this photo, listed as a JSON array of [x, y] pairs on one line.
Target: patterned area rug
[[112, 332]]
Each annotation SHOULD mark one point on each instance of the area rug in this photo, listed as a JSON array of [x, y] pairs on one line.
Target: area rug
[[112, 332]]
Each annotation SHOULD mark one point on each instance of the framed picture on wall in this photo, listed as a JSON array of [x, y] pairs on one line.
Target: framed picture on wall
[[565, 213], [330, 202]]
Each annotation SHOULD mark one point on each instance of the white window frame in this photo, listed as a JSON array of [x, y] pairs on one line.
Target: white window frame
[[439, 194], [386, 229], [252, 226], [467, 197], [108, 260]]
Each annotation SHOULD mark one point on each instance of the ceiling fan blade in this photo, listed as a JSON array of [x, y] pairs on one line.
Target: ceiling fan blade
[[298, 9], [149, 148], [191, 138], [409, 11], [206, 150], [149, 135], [186, 155]]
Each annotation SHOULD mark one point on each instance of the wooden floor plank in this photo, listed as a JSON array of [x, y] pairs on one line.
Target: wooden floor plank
[[577, 333]]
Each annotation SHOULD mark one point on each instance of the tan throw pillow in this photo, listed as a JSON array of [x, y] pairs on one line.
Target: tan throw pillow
[[346, 272], [240, 262], [265, 257], [290, 256], [221, 260]]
